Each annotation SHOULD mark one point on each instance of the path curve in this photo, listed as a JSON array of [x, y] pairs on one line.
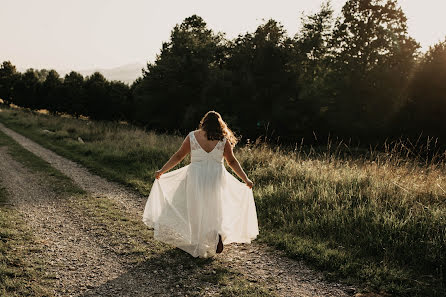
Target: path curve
[[257, 262]]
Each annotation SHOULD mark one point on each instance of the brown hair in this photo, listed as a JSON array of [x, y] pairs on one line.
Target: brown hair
[[215, 128]]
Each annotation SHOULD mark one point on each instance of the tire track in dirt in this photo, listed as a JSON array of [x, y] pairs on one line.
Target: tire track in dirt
[[256, 262]]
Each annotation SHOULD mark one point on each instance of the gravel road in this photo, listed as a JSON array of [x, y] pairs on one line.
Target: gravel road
[[83, 264]]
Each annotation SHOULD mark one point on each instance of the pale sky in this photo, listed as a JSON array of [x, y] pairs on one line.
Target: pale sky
[[85, 34]]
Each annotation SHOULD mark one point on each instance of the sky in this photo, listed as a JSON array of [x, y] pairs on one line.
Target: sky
[[89, 34]]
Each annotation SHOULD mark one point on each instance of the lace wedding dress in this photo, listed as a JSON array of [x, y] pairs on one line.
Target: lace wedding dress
[[189, 207]]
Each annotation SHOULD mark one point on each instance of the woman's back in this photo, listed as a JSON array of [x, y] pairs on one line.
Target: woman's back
[[206, 151], [206, 144]]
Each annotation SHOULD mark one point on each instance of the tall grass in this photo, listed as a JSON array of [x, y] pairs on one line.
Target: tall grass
[[380, 217], [374, 217]]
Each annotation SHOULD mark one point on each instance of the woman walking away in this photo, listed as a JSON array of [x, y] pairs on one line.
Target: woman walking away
[[201, 206]]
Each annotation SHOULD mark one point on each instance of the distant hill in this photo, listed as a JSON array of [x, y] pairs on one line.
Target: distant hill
[[126, 73]]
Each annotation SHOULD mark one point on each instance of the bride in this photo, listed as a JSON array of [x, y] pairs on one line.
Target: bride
[[201, 206]]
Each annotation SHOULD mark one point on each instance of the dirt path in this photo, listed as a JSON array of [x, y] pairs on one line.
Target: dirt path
[[76, 258], [256, 262]]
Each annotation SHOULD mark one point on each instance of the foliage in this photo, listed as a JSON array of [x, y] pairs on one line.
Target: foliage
[[313, 59], [373, 58], [174, 88], [358, 78], [374, 217], [8, 77], [425, 110], [264, 91]]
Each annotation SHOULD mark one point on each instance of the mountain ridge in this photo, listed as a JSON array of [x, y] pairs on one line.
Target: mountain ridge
[[126, 73]]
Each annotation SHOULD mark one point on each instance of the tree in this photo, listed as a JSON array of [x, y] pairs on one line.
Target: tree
[[173, 91], [8, 78], [42, 74], [313, 59], [73, 94], [96, 97], [264, 90], [313, 40], [118, 101], [49, 92], [374, 57], [26, 90], [425, 109]]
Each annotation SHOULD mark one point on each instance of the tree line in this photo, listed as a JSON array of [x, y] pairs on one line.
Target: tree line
[[357, 76]]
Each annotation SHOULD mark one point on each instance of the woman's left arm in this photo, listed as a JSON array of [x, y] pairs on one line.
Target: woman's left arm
[[176, 158]]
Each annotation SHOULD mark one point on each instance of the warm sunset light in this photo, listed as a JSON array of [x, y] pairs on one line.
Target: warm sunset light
[[108, 33], [223, 148]]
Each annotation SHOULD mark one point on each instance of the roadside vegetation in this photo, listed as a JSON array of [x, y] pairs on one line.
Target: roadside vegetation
[[377, 218], [127, 236]]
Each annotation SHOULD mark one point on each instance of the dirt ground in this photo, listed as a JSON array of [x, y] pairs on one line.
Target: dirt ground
[[84, 265]]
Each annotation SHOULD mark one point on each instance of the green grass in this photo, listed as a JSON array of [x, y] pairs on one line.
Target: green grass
[[129, 156], [378, 220], [21, 266], [126, 235]]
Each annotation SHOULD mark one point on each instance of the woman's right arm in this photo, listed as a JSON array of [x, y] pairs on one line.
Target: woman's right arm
[[235, 165], [176, 158]]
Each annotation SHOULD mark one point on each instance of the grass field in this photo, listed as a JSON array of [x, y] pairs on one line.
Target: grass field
[[377, 219], [22, 266]]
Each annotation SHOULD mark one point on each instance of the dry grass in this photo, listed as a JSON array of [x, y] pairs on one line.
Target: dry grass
[[21, 271], [380, 216], [373, 216]]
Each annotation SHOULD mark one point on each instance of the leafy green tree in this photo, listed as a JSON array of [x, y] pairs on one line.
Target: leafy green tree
[[313, 59], [73, 94], [8, 78], [313, 41], [96, 97], [264, 91], [173, 91], [374, 56], [26, 90], [425, 110], [42, 74], [49, 92], [118, 101]]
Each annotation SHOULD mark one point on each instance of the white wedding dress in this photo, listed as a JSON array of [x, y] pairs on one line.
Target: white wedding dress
[[189, 207]]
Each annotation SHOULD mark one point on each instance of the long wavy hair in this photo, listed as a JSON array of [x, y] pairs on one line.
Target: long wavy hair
[[215, 128]]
